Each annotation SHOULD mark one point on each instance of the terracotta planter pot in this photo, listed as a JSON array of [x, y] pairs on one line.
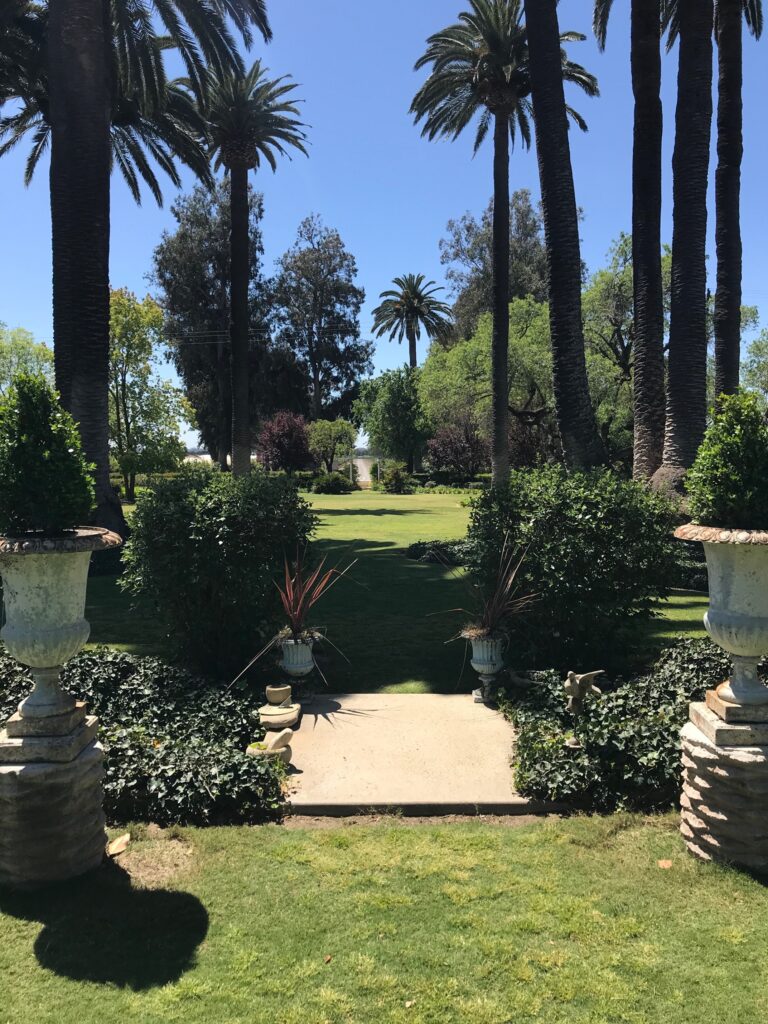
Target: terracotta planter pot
[[298, 660], [737, 618], [44, 585]]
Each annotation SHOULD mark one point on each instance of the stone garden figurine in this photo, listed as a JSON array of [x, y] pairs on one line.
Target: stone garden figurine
[[577, 687]]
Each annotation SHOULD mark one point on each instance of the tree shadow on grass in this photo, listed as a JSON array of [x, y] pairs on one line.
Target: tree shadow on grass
[[322, 512], [101, 929]]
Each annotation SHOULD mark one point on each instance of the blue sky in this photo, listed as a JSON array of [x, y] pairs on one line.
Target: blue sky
[[371, 175]]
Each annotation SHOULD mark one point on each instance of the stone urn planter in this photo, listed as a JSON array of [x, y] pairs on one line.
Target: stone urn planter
[[737, 618], [44, 585], [487, 658], [298, 659]]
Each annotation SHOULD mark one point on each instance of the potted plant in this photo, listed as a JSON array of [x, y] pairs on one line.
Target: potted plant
[[728, 502], [487, 632], [46, 492], [300, 591]]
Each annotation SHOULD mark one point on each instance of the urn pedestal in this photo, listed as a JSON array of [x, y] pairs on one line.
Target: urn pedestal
[[724, 802], [51, 793]]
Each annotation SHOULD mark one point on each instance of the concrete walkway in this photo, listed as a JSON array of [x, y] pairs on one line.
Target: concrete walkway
[[418, 753]]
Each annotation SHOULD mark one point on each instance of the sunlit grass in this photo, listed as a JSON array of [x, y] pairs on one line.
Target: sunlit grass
[[563, 921]]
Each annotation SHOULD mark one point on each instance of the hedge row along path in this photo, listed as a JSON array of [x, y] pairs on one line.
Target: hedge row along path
[[381, 615]]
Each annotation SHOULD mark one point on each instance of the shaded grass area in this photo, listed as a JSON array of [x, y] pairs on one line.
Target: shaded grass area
[[382, 616], [560, 921]]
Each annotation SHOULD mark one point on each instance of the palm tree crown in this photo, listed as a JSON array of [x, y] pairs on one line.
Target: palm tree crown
[[753, 15], [251, 118], [162, 126], [480, 65], [408, 308]]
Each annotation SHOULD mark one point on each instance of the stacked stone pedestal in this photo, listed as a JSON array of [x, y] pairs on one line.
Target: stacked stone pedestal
[[724, 803], [51, 798]]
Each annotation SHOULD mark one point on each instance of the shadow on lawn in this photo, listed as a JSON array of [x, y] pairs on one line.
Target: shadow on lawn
[[322, 512], [101, 929]]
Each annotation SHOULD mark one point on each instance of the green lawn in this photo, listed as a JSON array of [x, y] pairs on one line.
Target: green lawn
[[559, 922], [381, 615]]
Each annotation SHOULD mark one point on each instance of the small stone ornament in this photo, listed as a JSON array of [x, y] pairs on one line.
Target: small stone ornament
[[274, 744], [577, 688]]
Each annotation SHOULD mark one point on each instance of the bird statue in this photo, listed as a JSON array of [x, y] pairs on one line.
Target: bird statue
[[577, 687]]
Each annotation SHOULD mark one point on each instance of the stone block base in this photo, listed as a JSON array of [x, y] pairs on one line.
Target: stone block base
[[724, 801], [51, 819]]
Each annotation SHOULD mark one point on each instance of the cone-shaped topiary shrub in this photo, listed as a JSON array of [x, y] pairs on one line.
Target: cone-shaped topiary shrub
[[45, 482], [728, 482]]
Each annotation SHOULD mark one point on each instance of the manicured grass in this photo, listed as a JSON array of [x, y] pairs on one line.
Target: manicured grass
[[382, 616], [561, 921]]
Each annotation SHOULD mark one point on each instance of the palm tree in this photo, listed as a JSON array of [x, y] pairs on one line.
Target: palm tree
[[730, 149], [172, 130], [78, 46], [576, 422], [686, 400], [481, 66], [648, 340], [407, 308], [250, 119]]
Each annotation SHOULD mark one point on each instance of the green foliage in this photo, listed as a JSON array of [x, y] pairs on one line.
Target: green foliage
[[20, 353], [329, 439], [630, 754], [395, 479], [599, 553], [317, 307], [390, 412], [333, 483], [728, 482], [205, 549], [146, 413], [467, 253], [174, 742], [45, 482]]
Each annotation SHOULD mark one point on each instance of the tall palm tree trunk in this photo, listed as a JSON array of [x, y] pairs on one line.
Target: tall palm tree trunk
[[730, 149], [581, 443], [412, 355], [648, 342], [687, 367], [79, 189], [500, 336], [241, 427]]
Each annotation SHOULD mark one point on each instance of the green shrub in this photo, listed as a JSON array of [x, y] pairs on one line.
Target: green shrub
[[443, 552], [630, 736], [728, 483], [333, 483], [395, 479], [45, 482], [205, 549], [599, 554], [174, 743]]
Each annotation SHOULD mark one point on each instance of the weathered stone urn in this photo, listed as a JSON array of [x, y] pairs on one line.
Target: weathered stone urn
[[51, 816], [298, 659], [487, 659], [737, 618]]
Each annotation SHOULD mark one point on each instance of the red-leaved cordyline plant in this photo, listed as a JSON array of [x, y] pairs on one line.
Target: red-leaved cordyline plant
[[501, 602], [301, 592]]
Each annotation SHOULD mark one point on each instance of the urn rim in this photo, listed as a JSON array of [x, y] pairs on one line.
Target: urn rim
[[81, 539], [720, 535]]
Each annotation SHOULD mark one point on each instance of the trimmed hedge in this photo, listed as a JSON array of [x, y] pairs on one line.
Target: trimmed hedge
[[205, 550], [333, 483], [600, 553], [174, 742], [630, 736]]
